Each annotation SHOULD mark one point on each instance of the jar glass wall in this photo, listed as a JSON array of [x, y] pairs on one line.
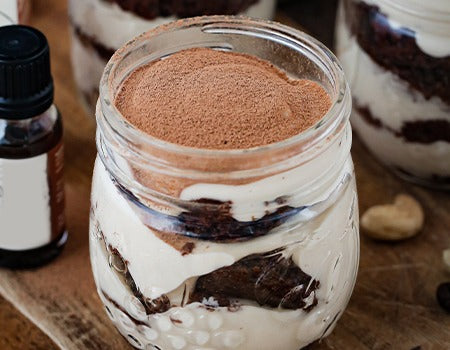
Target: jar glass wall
[[101, 27], [240, 249], [396, 55]]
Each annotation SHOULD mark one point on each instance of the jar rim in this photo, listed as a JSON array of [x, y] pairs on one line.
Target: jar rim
[[109, 114]]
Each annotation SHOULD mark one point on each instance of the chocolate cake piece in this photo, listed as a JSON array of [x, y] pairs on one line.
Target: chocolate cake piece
[[92, 43], [396, 50], [269, 279], [151, 9], [212, 221], [426, 131], [421, 131]]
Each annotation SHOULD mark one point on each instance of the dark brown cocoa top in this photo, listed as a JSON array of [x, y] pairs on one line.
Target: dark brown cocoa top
[[212, 99]]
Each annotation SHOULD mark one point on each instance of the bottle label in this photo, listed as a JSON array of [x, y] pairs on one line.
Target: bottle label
[[31, 200], [9, 12]]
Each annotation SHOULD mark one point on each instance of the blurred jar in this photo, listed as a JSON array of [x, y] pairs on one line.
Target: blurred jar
[[396, 54], [100, 27]]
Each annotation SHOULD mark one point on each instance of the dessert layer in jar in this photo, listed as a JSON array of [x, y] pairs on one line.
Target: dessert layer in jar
[[294, 281], [100, 27], [398, 70], [284, 288], [259, 261]]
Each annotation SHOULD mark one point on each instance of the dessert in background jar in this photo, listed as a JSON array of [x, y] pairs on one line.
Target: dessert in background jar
[[32, 223], [100, 27], [233, 224], [396, 55]]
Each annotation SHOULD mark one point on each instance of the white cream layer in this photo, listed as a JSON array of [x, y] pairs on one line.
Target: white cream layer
[[432, 36], [311, 183], [326, 248], [113, 27], [421, 160]]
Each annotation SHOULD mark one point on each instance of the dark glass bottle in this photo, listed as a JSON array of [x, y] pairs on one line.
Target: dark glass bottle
[[32, 223]]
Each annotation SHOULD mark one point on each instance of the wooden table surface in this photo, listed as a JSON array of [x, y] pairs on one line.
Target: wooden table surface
[[393, 305]]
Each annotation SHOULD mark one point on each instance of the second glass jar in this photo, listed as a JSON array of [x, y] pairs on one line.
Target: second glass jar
[[396, 54]]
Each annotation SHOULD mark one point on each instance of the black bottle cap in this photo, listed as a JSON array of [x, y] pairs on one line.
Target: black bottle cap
[[26, 84]]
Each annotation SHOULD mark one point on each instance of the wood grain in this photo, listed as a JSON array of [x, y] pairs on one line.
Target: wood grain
[[17, 332], [393, 305]]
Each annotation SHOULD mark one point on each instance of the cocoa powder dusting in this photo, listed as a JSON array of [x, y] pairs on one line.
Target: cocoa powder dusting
[[211, 99]]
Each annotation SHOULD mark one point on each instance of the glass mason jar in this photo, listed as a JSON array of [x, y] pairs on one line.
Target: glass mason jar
[[101, 27], [225, 249], [396, 54]]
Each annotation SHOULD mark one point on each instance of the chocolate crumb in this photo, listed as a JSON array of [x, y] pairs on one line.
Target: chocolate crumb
[[234, 307], [187, 248], [158, 305], [174, 320]]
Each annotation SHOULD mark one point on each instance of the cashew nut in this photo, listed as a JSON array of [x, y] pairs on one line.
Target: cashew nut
[[393, 222], [446, 258]]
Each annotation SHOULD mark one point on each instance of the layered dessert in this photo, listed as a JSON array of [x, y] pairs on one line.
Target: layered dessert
[[100, 27], [266, 261], [396, 55]]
